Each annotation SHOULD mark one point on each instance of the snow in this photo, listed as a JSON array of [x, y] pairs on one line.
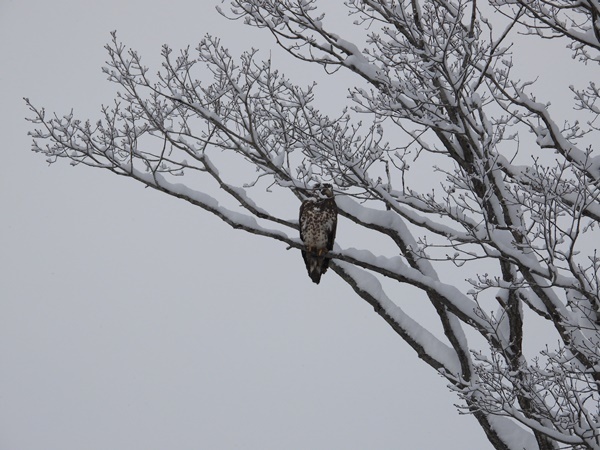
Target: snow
[[534, 424], [206, 113], [357, 60], [395, 268], [392, 220], [205, 201], [512, 434], [279, 159], [431, 345]]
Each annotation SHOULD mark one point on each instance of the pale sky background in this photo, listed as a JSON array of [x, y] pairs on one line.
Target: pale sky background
[[122, 326]]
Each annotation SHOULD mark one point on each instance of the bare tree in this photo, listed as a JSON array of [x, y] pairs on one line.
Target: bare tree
[[514, 217]]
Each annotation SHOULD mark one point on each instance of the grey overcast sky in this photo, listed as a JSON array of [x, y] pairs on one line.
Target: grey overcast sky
[[132, 320]]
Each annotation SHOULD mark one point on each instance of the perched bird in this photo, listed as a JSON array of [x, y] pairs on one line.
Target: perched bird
[[318, 222]]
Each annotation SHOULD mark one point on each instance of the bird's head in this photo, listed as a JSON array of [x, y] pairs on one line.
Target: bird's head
[[323, 190]]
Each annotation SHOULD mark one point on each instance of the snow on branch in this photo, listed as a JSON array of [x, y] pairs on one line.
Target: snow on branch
[[428, 347]]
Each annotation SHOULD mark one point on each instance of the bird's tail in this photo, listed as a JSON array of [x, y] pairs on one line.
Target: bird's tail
[[315, 271], [316, 266]]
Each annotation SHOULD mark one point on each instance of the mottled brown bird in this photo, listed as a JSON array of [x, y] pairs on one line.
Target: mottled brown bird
[[318, 223]]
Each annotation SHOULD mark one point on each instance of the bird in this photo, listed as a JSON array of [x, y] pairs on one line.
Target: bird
[[318, 224]]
